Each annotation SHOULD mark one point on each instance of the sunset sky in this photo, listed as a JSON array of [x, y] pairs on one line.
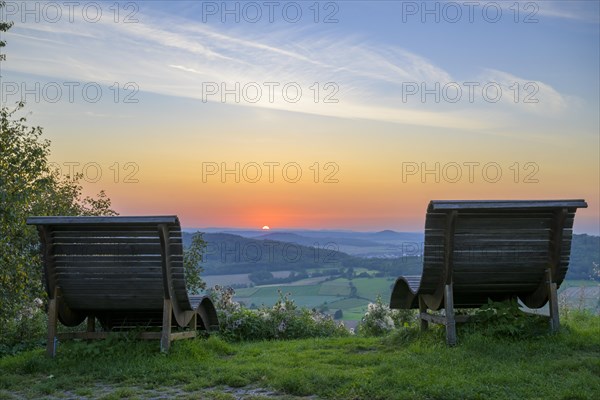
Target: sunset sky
[[374, 93]]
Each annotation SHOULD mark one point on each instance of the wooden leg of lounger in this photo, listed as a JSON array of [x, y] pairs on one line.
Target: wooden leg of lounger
[[52, 317], [165, 339], [450, 321], [423, 310], [91, 323], [553, 302], [194, 322]]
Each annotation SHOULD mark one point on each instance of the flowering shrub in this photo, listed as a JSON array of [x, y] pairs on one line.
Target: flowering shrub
[[282, 321], [380, 319]]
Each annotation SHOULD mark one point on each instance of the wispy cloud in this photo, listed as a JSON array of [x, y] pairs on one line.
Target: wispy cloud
[[176, 57], [529, 95], [582, 10]]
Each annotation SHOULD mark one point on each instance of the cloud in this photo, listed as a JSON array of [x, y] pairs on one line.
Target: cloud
[[528, 95], [582, 11], [176, 57]]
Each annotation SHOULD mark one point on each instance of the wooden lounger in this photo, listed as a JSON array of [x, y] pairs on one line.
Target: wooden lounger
[[498, 250], [125, 272]]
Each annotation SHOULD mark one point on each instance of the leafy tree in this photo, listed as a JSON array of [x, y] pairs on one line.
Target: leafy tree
[[353, 290], [260, 277], [4, 26], [29, 186], [192, 258]]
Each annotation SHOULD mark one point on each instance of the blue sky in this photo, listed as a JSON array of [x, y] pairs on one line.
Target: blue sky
[[374, 54]]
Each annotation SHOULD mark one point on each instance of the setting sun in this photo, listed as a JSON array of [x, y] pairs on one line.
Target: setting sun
[[265, 228]]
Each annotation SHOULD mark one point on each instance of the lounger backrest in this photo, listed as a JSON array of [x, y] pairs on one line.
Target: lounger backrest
[[107, 264], [496, 249]]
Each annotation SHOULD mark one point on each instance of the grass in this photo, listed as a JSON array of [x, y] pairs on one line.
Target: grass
[[338, 287], [246, 292], [406, 364], [354, 314], [349, 304], [578, 283], [370, 288], [302, 301], [335, 293]]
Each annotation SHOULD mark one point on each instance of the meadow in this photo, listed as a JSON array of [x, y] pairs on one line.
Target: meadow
[[336, 295], [405, 364]]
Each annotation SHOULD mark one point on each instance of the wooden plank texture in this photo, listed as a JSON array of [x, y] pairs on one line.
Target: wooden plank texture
[[114, 269], [498, 249]]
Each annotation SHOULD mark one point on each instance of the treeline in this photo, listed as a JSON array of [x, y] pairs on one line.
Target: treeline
[[585, 253], [233, 254]]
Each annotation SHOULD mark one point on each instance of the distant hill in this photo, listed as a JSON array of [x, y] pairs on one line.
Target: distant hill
[[228, 254], [290, 251], [585, 250], [234, 254], [393, 235], [320, 241]]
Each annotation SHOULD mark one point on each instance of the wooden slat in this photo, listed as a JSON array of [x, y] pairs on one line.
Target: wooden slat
[[505, 204], [114, 268], [507, 237], [140, 335], [107, 240], [113, 221], [108, 258], [114, 247]]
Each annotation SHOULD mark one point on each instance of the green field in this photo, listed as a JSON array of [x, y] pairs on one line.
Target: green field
[[335, 294], [348, 304], [335, 288], [354, 313], [306, 296], [246, 292]]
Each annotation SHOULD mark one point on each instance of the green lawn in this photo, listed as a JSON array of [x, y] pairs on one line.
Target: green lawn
[[404, 365]]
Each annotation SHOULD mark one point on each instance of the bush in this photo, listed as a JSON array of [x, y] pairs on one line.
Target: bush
[[339, 314], [380, 319], [25, 331], [505, 319], [282, 321]]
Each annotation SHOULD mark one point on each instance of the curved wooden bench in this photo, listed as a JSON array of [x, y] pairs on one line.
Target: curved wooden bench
[[498, 250], [123, 271]]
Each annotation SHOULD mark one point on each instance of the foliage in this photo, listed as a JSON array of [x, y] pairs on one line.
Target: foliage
[[339, 314], [28, 186], [505, 319], [380, 319], [260, 277], [26, 331], [585, 254], [116, 344], [247, 255], [412, 366], [4, 25], [282, 321], [192, 257]]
